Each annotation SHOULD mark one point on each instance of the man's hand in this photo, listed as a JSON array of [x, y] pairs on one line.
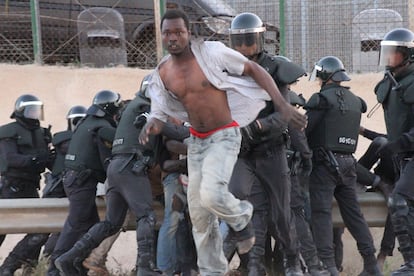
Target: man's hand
[[152, 127], [293, 116]]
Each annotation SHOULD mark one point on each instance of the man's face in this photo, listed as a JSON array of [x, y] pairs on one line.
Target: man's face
[[175, 35]]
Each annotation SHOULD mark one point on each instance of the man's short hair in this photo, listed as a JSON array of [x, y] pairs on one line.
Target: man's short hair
[[174, 14]]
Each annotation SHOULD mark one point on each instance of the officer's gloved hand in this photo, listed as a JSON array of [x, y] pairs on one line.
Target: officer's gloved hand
[[250, 132], [273, 121], [306, 166], [140, 120], [39, 161], [52, 155], [389, 149]]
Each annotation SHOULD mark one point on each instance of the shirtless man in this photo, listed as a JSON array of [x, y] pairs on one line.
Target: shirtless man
[[216, 89]]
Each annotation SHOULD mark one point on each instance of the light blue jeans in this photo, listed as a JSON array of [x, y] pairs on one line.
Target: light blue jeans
[[166, 246], [210, 166]]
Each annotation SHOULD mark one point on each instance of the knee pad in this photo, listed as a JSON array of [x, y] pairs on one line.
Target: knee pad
[[398, 205]]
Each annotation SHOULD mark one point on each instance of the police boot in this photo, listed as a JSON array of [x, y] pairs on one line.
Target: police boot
[[315, 267], [292, 266], [70, 263], [370, 266], [52, 269], [255, 263], [278, 266], [146, 248], [10, 265]]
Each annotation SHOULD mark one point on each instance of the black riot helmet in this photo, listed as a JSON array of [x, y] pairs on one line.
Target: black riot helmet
[[329, 68], [399, 40], [75, 114], [29, 107], [248, 29], [104, 103]]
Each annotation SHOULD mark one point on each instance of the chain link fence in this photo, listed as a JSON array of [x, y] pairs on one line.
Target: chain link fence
[[302, 30]]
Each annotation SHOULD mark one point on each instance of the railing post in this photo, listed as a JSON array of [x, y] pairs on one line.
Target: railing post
[[36, 33]]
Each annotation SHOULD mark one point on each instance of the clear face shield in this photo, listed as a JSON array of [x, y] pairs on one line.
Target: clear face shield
[[74, 119], [387, 55], [315, 71], [247, 37], [394, 53], [33, 110]]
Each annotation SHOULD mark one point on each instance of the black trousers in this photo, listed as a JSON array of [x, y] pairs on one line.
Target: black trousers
[[264, 179], [324, 184]]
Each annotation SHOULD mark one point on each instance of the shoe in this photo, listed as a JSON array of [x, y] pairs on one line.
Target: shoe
[[333, 270], [66, 267], [405, 270], [293, 267], [318, 271], [95, 269], [245, 239], [244, 246]]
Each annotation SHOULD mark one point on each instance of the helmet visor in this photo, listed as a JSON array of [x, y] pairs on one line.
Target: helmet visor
[[387, 55], [33, 110], [315, 71], [248, 39]]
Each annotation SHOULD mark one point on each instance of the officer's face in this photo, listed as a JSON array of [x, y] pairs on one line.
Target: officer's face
[[248, 51], [395, 59]]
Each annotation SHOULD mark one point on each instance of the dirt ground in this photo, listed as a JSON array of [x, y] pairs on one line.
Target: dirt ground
[[62, 87]]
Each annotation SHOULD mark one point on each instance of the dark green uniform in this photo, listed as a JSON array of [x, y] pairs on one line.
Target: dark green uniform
[[334, 116]]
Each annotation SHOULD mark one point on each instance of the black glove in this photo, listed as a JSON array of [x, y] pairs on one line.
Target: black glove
[[306, 166], [141, 120], [272, 122], [389, 149], [250, 132], [39, 161]]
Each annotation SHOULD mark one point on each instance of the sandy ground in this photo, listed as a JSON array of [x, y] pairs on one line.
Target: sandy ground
[[62, 87]]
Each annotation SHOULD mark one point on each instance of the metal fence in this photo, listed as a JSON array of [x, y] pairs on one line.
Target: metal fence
[[303, 30]]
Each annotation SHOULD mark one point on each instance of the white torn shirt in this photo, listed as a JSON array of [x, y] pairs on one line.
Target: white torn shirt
[[223, 67]]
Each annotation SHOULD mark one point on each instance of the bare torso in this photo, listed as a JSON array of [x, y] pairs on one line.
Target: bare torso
[[207, 106]]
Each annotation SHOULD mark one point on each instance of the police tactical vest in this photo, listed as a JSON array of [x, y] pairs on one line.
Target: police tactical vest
[[29, 142], [83, 150], [126, 136], [398, 114], [338, 130], [58, 141]]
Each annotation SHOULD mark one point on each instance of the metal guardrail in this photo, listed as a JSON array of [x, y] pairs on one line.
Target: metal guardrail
[[47, 215]]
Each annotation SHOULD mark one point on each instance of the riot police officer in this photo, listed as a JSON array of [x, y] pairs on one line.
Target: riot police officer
[[128, 188], [53, 189], [334, 115], [25, 152], [395, 93], [261, 173], [85, 166]]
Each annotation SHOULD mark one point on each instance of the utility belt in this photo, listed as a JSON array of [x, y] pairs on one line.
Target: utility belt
[[328, 158], [136, 162], [86, 173]]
